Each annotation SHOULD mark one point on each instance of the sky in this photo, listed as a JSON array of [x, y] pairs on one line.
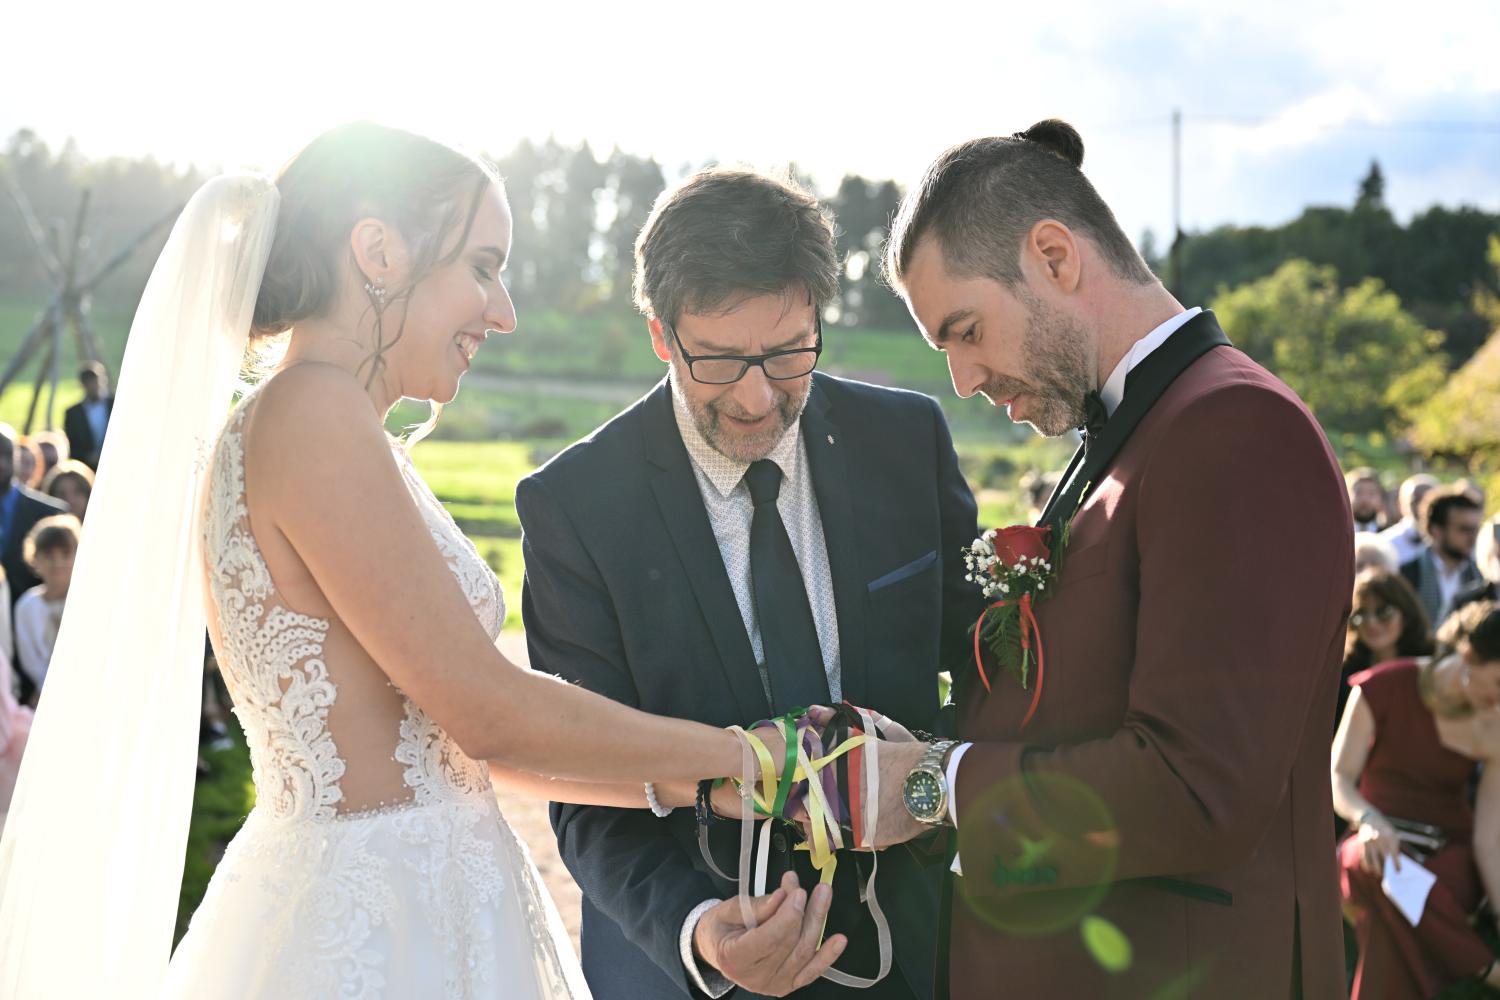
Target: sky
[[1284, 104]]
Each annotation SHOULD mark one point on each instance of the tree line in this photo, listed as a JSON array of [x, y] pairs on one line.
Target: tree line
[[1427, 286]]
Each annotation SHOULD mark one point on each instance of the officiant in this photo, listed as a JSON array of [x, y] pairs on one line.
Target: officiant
[[751, 536]]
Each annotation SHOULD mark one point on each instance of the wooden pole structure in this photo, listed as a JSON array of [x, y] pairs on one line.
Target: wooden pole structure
[[114, 262], [70, 301], [34, 337], [33, 227], [41, 375]]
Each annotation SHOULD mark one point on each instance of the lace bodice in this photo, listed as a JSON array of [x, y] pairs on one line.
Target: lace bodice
[[272, 658]]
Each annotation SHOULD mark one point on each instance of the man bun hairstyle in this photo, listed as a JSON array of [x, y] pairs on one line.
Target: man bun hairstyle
[[1058, 136], [980, 200]]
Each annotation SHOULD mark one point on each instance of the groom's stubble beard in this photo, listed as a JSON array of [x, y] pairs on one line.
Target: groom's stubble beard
[[1059, 369], [708, 417]]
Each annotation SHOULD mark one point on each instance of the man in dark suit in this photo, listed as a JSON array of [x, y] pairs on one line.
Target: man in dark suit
[[749, 537], [85, 423], [1445, 569], [1161, 827]]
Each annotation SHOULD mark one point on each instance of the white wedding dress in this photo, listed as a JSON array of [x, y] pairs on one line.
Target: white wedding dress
[[429, 894]]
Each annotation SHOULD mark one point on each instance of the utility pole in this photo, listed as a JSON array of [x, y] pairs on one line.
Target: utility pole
[[1175, 257]]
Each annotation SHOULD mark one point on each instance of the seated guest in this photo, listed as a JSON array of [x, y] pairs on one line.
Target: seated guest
[[1388, 623], [1487, 558], [53, 447], [28, 463], [1374, 552], [1366, 501], [1404, 760], [1450, 517], [71, 482], [50, 548], [20, 508], [1406, 534]]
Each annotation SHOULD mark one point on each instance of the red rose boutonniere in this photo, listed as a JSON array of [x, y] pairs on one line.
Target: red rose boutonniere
[[1016, 568]]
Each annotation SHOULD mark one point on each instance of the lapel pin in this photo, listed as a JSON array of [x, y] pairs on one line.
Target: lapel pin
[[830, 439]]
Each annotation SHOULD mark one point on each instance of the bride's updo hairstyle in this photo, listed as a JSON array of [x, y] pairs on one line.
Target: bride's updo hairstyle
[[426, 190], [981, 198]]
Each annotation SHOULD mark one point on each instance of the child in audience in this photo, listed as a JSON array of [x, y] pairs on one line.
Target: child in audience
[[49, 550]]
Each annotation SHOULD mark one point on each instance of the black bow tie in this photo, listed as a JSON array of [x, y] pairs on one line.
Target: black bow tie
[[1094, 417]]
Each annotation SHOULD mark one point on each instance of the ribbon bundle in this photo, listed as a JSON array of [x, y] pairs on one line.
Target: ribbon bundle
[[828, 780]]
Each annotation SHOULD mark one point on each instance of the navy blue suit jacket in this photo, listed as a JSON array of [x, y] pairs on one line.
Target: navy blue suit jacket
[[626, 594]]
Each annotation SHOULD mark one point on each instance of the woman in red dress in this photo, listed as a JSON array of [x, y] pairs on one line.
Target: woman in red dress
[[1412, 734]]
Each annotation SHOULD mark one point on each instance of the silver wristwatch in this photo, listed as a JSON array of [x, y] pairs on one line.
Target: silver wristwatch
[[925, 791]]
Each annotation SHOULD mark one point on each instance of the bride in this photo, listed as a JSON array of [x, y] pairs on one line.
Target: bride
[[354, 624]]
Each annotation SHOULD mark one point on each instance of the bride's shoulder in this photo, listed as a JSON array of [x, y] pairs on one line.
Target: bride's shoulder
[[314, 412]]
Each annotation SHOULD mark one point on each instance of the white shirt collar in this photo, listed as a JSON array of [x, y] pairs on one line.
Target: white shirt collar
[[724, 472], [1114, 387]]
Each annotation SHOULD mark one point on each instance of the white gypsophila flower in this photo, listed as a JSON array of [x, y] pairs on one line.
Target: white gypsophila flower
[[1005, 588]]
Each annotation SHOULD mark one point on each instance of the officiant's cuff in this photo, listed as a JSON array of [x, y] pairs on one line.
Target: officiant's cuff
[[713, 983]]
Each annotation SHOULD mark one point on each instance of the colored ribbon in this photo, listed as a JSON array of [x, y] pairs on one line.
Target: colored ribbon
[[770, 796], [1029, 629]]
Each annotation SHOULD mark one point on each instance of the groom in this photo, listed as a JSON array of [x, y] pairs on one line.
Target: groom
[[1162, 827], [749, 537]]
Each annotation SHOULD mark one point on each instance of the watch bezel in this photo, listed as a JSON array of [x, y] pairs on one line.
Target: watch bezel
[[941, 780]]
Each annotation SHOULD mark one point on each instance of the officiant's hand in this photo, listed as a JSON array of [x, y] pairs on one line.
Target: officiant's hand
[[892, 730], [781, 953]]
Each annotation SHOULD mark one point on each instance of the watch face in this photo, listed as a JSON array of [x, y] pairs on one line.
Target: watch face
[[923, 795]]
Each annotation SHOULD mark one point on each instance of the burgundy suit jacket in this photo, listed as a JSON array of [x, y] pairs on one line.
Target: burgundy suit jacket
[[1173, 786]]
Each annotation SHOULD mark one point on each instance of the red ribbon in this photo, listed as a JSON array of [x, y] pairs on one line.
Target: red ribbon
[[1029, 628]]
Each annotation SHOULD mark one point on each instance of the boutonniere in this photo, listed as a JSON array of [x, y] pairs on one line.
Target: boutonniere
[[1016, 568]]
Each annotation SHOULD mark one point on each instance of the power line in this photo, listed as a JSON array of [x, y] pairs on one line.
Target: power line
[[1446, 126]]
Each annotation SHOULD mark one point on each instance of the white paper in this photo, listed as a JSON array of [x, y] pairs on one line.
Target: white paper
[[1408, 888]]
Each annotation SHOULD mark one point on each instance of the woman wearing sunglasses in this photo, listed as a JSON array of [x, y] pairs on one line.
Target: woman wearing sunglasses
[[1388, 622], [1411, 739]]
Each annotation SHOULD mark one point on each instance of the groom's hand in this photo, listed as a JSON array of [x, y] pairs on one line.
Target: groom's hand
[[781, 953], [895, 825]]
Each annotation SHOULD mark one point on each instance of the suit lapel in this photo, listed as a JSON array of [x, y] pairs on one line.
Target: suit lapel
[[1062, 486], [827, 458], [681, 503], [1432, 589], [1143, 387]]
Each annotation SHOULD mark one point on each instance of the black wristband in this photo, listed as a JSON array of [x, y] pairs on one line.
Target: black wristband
[[703, 808]]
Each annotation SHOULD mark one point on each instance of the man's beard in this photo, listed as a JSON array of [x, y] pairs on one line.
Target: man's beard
[[709, 418], [1364, 515], [1059, 374], [1453, 555]]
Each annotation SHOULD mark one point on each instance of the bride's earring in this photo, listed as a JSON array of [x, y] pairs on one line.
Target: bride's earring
[[376, 291]]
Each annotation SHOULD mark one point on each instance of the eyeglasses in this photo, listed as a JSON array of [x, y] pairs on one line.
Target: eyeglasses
[[1382, 614], [726, 369]]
